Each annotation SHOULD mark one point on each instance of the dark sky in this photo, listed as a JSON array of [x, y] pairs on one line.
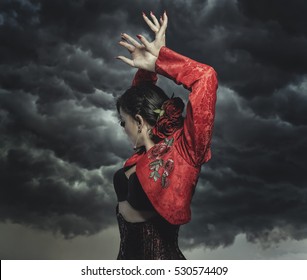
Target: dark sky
[[60, 141]]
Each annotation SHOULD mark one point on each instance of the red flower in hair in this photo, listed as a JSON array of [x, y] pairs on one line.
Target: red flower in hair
[[165, 127], [170, 118], [173, 108]]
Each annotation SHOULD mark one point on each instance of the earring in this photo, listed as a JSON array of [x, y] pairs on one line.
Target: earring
[[137, 138]]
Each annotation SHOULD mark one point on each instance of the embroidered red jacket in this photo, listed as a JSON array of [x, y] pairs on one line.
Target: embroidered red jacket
[[169, 171]]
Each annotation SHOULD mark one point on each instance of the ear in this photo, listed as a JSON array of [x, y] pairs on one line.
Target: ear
[[139, 119]]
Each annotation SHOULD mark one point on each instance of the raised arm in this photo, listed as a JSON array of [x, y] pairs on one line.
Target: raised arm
[[143, 76], [201, 80]]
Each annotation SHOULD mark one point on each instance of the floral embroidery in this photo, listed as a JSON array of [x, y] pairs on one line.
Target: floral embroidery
[[169, 166], [164, 180], [156, 152], [155, 165], [161, 148]]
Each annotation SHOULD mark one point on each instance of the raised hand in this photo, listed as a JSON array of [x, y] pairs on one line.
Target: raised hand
[[159, 30], [145, 55], [140, 57]]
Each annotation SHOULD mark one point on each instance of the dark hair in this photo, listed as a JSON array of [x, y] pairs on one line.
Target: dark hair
[[142, 100]]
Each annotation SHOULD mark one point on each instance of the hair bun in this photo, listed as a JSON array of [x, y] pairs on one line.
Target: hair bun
[[173, 107], [170, 118]]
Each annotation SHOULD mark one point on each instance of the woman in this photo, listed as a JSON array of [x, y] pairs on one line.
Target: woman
[[155, 187]]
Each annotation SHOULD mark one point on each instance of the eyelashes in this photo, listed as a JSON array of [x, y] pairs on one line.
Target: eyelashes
[[122, 123]]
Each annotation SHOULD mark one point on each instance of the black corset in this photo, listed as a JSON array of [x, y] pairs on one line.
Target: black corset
[[154, 239]]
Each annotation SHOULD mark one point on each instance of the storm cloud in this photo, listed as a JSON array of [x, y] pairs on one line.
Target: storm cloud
[[60, 142]]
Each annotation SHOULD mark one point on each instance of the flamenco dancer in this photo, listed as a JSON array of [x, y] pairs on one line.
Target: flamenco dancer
[[155, 187]]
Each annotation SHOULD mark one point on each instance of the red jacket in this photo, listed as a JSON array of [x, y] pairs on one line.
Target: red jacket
[[169, 171]]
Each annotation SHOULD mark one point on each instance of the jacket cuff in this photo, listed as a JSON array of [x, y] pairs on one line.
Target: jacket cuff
[[142, 76], [161, 60], [170, 63]]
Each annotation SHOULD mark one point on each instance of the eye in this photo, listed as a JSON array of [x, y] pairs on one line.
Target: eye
[[122, 123]]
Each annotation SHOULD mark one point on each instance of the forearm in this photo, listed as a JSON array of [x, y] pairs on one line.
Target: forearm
[[201, 80], [181, 69]]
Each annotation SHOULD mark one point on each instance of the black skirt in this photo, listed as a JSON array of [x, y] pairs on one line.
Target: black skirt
[[154, 239]]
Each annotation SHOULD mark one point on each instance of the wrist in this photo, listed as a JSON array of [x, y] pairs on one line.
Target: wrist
[[152, 64], [149, 65], [157, 51]]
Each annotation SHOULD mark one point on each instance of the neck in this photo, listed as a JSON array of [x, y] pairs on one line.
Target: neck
[[148, 144]]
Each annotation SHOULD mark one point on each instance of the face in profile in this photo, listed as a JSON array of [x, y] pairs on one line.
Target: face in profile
[[130, 125]]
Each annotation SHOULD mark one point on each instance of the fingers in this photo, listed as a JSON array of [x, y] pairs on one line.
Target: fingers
[[155, 26], [151, 25], [144, 41], [155, 20], [163, 25], [145, 47], [126, 60], [130, 40], [129, 47]]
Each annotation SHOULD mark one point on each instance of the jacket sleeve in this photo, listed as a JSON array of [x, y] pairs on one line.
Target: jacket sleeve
[[143, 76], [201, 80]]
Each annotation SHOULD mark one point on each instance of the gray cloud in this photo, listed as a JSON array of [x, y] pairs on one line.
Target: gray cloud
[[59, 139]]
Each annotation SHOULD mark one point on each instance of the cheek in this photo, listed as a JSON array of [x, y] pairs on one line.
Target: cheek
[[128, 130]]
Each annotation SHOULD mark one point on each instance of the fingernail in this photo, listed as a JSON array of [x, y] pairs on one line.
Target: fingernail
[[139, 36], [144, 14], [151, 13]]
